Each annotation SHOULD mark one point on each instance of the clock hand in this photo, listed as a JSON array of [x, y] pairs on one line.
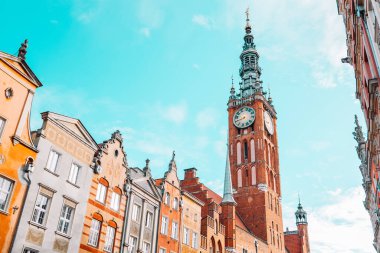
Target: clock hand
[[240, 119]]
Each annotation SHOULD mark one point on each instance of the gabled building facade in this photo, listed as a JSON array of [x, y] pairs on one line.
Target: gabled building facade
[[143, 209], [18, 84], [170, 222], [55, 205], [103, 224], [191, 222], [361, 20]]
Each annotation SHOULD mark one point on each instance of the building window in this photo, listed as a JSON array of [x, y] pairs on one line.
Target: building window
[[52, 161], [146, 247], [174, 230], [195, 241], [167, 199], [164, 225], [101, 193], [175, 203], [245, 251], [74, 171], [245, 150], [136, 213], [195, 217], [2, 125], [29, 250], [93, 238], [253, 175], [253, 155], [162, 250], [64, 224], [239, 178], [186, 236], [132, 244], [110, 236], [238, 153], [40, 209], [148, 220], [5, 193], [115, 201]]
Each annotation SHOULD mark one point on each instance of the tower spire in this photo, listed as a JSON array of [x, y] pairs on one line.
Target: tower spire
[[250, 70], [301, 215], [248, 25], [228, 197]]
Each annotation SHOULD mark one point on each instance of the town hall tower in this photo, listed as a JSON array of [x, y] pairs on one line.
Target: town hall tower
[[253, 151]]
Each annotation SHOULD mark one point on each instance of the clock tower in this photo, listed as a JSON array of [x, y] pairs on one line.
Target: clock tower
[[253, 151]]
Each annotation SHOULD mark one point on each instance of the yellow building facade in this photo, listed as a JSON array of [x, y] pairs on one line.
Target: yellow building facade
[[17, 151]]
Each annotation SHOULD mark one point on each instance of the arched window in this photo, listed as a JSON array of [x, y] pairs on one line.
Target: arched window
[[216, 226], [101, 192], [253, 155], [238, 153], [175, 203], [95, 229], [269, 160], [245, 150], [167, 199], [239, 178], [253, 175], [231, 149]]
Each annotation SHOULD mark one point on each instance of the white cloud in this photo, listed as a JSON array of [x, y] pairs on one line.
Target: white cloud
[[145, 31], [202, 20], [207, 118], [343, 226], [174, 113]]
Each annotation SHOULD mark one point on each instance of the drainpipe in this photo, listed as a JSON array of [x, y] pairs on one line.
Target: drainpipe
[[28, 168], [128, 190]]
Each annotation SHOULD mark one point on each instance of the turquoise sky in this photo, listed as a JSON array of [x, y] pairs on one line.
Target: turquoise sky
[[160, 71]]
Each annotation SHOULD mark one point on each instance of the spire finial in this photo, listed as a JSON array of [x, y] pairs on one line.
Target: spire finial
[[248, 25], [232, 81], [173, 155], [22, 50]]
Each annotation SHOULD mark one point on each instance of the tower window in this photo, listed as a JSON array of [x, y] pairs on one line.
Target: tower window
[[245, 150]]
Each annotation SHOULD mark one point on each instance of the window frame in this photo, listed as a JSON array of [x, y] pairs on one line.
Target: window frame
[[56, 164], [77, 173], [109, 239], [167, 199], [9, 193], [195, 241], [134, 239], [98, 193], [45, 211], [175, 236], [186, 236], [166, 225], [65, 220], [162, 250], [112, 205], [149, 214], [89, 242], [145, 243], [175, 203], [138, 214]]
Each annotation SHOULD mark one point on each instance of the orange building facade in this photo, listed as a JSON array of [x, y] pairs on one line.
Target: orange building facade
[[17, 152], [169, 230], [106, 205]]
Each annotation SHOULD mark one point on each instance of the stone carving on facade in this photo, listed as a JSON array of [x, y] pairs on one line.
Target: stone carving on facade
[[361, 148]]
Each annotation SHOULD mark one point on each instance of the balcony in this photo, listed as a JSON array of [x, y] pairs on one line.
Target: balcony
[[210, 222]]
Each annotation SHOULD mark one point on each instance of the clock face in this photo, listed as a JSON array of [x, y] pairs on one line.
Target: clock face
[[244, 117], [268, 121]]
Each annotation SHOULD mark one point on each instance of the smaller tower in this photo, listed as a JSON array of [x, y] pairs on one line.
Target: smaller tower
[[301, 222], [229, 209]]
